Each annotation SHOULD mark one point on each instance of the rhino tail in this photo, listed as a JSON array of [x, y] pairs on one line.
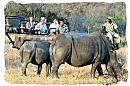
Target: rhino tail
[[21, 54], [33, 52], [51, 50]]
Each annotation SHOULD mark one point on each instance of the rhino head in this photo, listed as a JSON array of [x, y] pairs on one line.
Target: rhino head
[[19, 42]]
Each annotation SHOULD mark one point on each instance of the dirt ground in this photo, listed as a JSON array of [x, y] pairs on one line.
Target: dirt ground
[[67, 73]]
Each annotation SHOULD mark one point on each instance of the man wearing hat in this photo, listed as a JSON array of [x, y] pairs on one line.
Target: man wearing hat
[[112, 32], [42, 26]]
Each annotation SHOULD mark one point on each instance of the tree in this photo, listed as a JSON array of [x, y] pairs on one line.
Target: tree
[[79, 15]]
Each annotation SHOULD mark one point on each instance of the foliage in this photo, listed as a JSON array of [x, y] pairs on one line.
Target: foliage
[[123, 42], [78, 15]]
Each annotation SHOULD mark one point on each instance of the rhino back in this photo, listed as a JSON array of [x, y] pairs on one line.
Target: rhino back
[[87, 48], [42, 52], [37, 52], [26, 50], [84, 51]]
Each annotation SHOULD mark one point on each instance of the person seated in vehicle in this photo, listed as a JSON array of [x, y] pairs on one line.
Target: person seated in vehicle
[[63, 28], [41, 26], [112, 32], [30, 25], [54, 26]]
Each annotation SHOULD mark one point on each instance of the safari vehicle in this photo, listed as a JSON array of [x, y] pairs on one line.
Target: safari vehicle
[[12, 23], [22, 27], [16, 24]]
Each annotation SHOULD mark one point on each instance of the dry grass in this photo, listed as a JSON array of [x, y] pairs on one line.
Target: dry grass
[[122, 55], [67, 73]]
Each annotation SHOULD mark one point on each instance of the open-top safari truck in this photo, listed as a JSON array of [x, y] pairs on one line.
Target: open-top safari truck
[[19, 39], [16, 26]]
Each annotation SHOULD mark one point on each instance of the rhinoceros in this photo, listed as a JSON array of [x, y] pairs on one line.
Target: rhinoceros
[[37, 53], [80, 51]]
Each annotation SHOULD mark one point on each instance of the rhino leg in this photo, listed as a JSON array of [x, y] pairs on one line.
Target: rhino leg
[[56, 64], [94, 67], [99, 69], [106, 67], [24, 66], [114, 68], [112, 71], [55, 68], [60, 56], [39, 69], [48, 69]]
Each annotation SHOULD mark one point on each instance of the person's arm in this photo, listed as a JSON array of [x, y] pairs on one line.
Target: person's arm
[[27, 25], [66, 29], [37, 27], [57, 30], [57, 27], [45, 27], [104, 31], [50, 26], [33, 25], [117, 30]]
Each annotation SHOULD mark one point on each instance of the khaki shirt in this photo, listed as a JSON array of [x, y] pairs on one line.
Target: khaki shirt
[[63, 29], [110, 28]]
